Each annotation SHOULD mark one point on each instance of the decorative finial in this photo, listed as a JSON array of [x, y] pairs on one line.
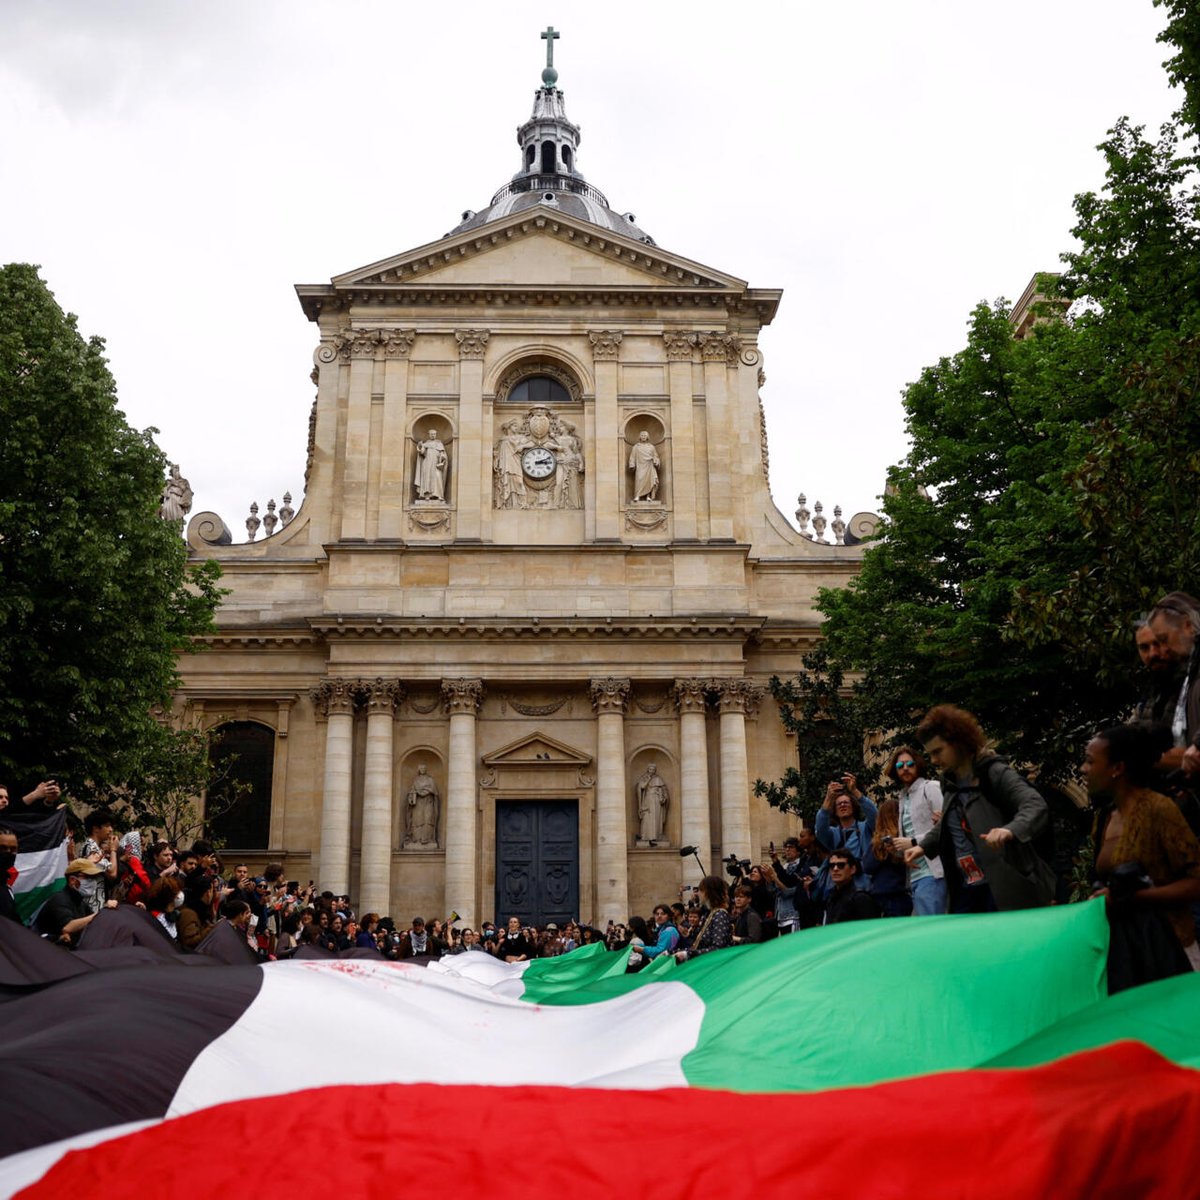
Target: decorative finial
[[252, 521], [286, 513], [270, 520], [549, 75]]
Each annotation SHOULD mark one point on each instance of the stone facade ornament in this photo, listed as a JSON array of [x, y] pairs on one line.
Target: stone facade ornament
[[429, 475], [738, 695], [270, 520], [679, 346], [332, 696], [691, 695], [422, 810], [471, 342], [252, 521], [802, 515], [719, 347], [286, 511], [176, 500], [606, 343], [838, 526], [653, 798], [462, 695], [428, 520], [526, 368], [644, 463], [537, 463], [609, 695], [819, 522], [398, 342], [382, 695]]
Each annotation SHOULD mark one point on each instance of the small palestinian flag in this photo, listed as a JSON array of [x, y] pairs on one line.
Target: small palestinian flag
[[942, 1057], [41, 856]]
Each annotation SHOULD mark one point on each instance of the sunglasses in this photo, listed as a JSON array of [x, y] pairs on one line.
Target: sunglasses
[[839, 866], [905, 762]]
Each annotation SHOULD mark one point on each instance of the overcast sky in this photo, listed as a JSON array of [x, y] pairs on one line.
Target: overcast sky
[[176, 167]]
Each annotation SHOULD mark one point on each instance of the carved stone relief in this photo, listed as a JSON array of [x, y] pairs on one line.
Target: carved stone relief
[[537, 463]]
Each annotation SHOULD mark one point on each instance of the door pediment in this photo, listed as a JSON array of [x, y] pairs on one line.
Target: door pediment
[[537, 750]]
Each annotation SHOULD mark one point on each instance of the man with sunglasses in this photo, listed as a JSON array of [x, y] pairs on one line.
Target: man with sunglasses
[[1175, 621], [845, 902], [920, 808]]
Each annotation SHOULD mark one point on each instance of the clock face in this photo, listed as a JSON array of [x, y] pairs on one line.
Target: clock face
[[538, 462]]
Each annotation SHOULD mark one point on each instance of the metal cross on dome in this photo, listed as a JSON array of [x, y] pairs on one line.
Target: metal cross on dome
[[549, 37]]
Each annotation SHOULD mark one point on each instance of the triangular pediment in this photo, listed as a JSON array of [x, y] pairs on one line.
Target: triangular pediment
[[537, 749], [539, 250]]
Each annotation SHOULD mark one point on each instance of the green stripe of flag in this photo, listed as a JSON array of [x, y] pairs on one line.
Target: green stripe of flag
[[41, 858], [867, 1001]]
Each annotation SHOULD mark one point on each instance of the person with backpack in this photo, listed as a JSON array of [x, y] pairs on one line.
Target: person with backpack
[[990, 819]]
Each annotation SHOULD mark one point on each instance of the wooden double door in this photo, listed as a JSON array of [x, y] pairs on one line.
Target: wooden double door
[[537, 861]]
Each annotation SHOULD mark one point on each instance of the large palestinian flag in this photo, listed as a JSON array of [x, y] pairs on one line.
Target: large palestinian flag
[[932, 1057]]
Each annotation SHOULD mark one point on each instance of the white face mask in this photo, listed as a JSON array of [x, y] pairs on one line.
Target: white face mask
[[178, 901]]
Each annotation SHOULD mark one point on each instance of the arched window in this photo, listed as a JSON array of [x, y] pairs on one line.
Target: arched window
[[567, 157], [539, 389], [238, 807], [530, 155], [548, 162]]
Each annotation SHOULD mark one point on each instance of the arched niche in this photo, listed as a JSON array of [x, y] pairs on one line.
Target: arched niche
[[666, 767], [237, 806], [430, 483], [420, 809], [645, 458]]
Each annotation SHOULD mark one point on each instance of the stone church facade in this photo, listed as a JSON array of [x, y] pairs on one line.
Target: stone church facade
[[510, 653]]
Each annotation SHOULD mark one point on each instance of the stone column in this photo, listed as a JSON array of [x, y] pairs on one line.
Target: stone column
[[609, 698], [717, 349], [336, 697], [471, 494], [609, 468], [361, 345], [695, 822], [375, 875], [735, 699], [460, 698], [679, 348], [395, 461]]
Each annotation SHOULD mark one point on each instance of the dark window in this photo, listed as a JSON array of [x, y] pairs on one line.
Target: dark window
[[548, 165], [567, 157], [243, 753], [539, 389], [530, 155]]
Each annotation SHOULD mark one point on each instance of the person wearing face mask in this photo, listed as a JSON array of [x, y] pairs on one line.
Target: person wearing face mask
[[66, 915], [163, 902], [920, 809], [8, 873]]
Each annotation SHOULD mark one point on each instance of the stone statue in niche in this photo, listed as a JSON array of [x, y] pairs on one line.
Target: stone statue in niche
[[176, 500], [429, 478], [422, 809], [652, 801], [537, 463], [644, 463]]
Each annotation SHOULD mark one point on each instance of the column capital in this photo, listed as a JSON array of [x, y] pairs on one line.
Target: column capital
[[679, 346], [359, 343], [397, 342], [738, 696], [462, 695], [606, 343], [471, 342], [609, 695], [382, 695], [719, 347], [333, 696], [690, 695]]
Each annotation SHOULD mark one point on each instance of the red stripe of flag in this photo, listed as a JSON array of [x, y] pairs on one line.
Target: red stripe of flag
[[1116, 1122]]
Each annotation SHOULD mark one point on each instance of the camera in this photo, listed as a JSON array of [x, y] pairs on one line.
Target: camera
[[736, 866]]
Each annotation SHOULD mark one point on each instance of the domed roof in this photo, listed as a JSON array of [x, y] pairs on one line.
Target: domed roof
[[549, 177]]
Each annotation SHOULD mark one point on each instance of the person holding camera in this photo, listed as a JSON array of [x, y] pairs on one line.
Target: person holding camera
[[846, 821]]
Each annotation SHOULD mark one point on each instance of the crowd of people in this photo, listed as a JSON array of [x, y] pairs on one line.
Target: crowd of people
[[961, 830]]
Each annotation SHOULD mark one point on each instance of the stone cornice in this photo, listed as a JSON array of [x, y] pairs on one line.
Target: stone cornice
[[321, 299], [257, 639], [722, 629]]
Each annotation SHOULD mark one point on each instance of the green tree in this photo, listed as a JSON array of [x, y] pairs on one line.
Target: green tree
[[96, 595], [1049, 493]]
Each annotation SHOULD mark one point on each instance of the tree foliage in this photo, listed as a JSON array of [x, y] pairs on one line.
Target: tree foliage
[[96, 595], [1050, 493]]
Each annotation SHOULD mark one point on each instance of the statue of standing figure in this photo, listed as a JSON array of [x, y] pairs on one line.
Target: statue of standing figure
[[644, 463], [176, 500], [429, 478], [422, 810], [652, 801]]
